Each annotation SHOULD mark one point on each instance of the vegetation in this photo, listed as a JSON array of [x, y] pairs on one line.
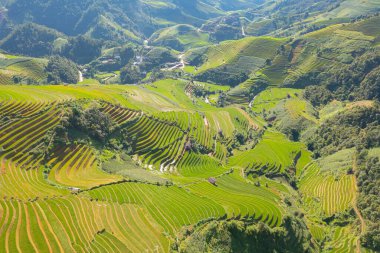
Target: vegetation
[[61, 70], [92, 121], [30, 39], [82, 49], [165, 126], [368, 182], [239, 236], [358, 127]]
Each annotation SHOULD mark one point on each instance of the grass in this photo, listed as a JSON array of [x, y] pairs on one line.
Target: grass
[[338, 162], [352, 8], [368, 27], [32, 68]]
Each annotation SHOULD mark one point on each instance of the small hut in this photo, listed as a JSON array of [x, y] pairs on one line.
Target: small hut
[[212, 180]]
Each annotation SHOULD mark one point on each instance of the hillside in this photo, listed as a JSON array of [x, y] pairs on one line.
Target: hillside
[[189, 126], [180, 38], [138, 17], [182, 147]]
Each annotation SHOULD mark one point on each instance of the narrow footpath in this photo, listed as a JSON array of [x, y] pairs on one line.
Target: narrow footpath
[[356, 209]]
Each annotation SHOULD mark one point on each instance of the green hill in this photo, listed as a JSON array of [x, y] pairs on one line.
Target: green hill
[[180, 37], [15, 69]]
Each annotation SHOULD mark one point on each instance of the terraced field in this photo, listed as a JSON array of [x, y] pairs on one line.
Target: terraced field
[[343, 240], [20, 108], [158, 144], [326, 194], [183, 171], [22, 67], [75, 224], [30, 183], [225, 143], [119, 114], [197, 165], [21, 136], [230, 51], [272, 156], [172, 207], [77, 166], [240, 198]]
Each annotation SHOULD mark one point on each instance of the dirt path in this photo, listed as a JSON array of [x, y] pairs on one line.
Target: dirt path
[[108, 78], [356, 209], [252, 123], [182, 61], [80, 76]]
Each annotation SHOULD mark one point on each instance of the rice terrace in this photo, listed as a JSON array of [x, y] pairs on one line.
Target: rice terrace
[[190, 126]]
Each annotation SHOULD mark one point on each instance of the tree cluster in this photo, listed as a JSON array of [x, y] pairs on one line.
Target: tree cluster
[[61, 70], [369, 199], [82, 49], [220, 76], [356, 81], [240, 236], [358, 127]]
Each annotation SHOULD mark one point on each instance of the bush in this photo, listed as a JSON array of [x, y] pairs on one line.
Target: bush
[[130, 74]]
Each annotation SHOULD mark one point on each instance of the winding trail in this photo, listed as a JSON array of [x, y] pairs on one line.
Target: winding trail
[[180, 65], [356, 209]]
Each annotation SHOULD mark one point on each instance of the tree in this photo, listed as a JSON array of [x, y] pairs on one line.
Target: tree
[[82, 49], [92, 121], [62, 70], [130, 74], [126, 55]]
